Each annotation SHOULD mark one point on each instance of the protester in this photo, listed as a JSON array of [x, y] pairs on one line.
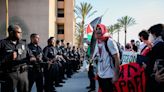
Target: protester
[[138, 44], [134, 47], [108, 65], [147, 44], [14, 56], [155, 76], [128, 55], [128, 47]]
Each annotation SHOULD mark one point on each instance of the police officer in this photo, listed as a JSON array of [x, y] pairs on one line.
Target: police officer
[[35, 72], [73, 56], [14, 55], [61, 63], [51, 70], [69, 63]]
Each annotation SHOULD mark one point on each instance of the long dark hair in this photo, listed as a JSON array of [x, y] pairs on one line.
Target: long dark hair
[[157, 30]]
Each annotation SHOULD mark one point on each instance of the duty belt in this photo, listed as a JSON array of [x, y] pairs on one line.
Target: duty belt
[[21, 69]]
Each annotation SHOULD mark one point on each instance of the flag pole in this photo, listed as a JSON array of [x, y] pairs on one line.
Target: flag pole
[[102, 16], [7, 16], [105, 12]]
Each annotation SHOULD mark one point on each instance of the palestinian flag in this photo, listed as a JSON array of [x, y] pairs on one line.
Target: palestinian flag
[[90, 31], [91, 27]]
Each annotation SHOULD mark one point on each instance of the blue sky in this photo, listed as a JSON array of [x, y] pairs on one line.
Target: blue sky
[[145, 12]]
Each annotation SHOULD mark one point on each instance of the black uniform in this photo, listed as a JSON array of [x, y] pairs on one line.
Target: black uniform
[[63, 62], [14, 71], [35, 73], [69, 71], [66, 56], [73, 61], [51, 70], [61, 65]]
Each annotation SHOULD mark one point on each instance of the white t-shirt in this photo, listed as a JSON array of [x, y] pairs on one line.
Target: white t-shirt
[[105, 63]]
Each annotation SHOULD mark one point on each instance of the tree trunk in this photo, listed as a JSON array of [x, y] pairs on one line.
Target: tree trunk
[[82, 34], [79, 40], [118, 39], [125, 35]]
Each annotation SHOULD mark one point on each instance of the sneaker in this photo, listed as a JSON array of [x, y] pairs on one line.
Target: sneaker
[[68, 76], [64, 78], [88, 87], [62, 81], [58, 85]]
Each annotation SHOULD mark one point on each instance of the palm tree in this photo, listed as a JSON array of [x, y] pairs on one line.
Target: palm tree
[[83, 11], [78, 31], [117, 27], [111, 29], [126, 21]]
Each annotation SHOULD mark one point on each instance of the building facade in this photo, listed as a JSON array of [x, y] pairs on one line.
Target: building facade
[[45, 17]]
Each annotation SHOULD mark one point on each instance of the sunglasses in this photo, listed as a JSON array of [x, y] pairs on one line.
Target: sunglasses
[[98, 28]]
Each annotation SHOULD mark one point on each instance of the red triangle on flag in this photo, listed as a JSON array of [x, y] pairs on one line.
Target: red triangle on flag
[[89, 29]]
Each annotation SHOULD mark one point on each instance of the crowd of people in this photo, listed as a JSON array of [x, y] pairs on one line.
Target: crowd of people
[[22, 64], [104, 63]]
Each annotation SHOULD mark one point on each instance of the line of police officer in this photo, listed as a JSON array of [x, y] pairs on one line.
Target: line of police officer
[[21, 65]]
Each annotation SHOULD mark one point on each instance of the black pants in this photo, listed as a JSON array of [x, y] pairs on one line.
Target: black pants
[[105, 84], [91, 77], [50, 75], [69, 68], [35, 76], [15, 80]]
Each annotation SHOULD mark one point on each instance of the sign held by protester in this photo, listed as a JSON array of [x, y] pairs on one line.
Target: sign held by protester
[[128, 57]]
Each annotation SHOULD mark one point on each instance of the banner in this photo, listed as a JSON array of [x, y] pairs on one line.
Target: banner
[[131, 79]]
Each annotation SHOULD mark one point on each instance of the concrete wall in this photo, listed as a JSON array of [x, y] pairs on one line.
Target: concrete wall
[[2, 19], [39, 16], [52, 18], [31, 15], [69, 21]]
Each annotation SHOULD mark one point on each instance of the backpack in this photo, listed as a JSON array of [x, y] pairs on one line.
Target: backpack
[[107, 49]]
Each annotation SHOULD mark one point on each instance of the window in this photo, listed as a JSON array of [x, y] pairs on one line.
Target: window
[[60, 12], [60, 28]]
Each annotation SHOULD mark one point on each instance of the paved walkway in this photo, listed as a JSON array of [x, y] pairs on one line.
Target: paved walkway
[[77, 83]]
